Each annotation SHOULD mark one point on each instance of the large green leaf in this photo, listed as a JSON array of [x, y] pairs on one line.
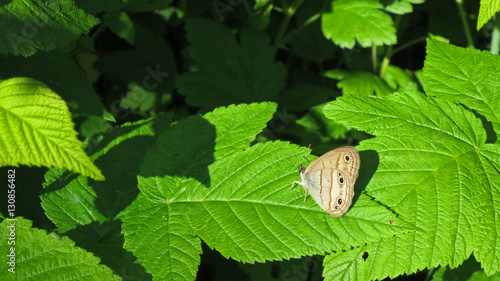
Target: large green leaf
[[31, 25], [36, 129]]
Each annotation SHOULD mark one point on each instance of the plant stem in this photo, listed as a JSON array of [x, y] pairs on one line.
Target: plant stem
[[388, 53], [430, 274], [463, 17], [383, 66], [407, 44], [99, 31], [495, 37], [288, 14]]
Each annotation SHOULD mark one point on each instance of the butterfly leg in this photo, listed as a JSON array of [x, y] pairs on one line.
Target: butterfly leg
[[305, 196], [295, 183]]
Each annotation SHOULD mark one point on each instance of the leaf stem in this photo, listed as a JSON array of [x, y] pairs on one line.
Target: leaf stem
[[288, 14], [99, 31], [408, 44], [463, 17], [430, 274], [374, 58], [388, 53]]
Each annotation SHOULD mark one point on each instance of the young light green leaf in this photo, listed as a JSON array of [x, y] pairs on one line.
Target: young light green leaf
[[401, 7], [465, 76], [37, 129], [487, 10], [42, 256], [358, 20], [241, 73], [32, 25], [435, 172]]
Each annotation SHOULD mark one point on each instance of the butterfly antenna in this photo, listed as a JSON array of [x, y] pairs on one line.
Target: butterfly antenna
[[308, 152], [293, 159]]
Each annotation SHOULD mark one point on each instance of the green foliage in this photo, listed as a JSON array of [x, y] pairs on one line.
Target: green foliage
[[29, 26], [196, 114]]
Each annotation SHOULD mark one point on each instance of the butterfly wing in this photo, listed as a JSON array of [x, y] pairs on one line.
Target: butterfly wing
[[344, 158], [332, 189], [330, 179]]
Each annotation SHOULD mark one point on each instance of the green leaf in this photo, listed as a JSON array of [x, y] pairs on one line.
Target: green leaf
[[358, 20], [138, 99], [317, 123], [400, 7], [345, 265], [303, 96], [487, 10], [37, 129], [398, 79], [32, 25], [261, 15], [241, 73], [470, 270], [159, 239], [435, 172], [465, 76], [362, 83], [42, 256], [121, 25]]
